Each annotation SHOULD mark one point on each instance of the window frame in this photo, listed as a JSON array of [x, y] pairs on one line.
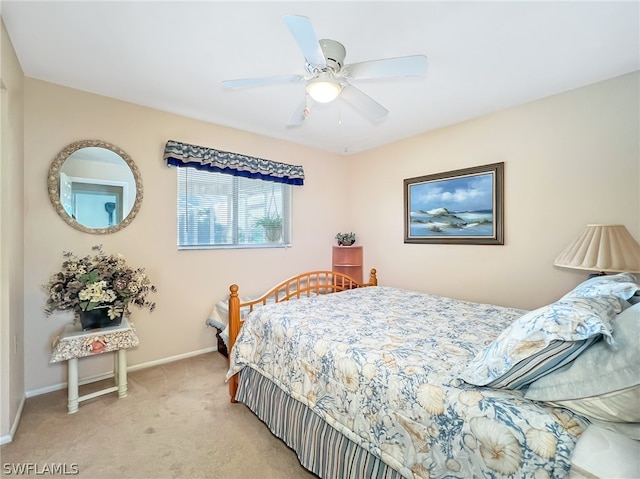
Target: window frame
[[286, 192]]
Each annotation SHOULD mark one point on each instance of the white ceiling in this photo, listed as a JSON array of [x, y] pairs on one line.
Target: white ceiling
[[173, 56]]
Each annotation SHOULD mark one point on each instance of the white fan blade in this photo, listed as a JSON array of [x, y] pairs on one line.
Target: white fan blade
[[302, 31], [301, 112], [364, 103], [415, 65], [247, 82]]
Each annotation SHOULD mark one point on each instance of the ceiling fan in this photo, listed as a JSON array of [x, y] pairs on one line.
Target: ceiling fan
[[328, 77]]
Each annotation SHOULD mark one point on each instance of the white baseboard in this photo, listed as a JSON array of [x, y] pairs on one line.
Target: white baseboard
[[135, 367], [171, 359], [14, 427], [57, 387]]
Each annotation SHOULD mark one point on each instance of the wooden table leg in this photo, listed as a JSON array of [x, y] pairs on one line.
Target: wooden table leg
[[72, 385], [121, 371]]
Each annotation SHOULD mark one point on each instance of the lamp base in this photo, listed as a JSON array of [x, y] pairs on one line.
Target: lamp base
[[595, 275]]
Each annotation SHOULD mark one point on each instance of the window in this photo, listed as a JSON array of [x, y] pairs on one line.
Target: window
[[218, 210], [231, 200]]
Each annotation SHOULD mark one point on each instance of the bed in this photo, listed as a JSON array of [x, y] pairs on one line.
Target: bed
[[378, 382]]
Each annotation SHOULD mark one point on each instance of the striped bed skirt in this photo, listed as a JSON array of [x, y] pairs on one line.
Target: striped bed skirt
[[320, 448]]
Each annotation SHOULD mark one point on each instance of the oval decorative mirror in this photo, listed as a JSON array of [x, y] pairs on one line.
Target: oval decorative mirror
[[95, 187]]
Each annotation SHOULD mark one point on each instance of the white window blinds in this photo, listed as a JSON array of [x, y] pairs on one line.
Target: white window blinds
[[217, 210]]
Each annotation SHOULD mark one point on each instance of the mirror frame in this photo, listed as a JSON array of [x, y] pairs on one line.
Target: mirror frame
[[53, 185]]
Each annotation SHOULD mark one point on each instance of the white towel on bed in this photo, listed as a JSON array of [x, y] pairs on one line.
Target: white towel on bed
[[219, 317]]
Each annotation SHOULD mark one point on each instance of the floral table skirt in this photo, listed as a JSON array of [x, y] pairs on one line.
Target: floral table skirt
[[75, 343]]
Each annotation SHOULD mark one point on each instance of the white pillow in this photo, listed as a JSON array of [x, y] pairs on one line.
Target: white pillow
[[615, 406], [599, 370]]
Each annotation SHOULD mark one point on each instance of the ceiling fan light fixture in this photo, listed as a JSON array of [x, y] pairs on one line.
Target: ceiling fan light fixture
[[324, 90]]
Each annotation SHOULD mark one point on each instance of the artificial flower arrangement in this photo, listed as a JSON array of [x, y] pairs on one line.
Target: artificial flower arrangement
[[98, 281], [346, 239]]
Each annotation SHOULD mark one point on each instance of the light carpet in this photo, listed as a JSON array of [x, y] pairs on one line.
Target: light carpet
[[177, 422]]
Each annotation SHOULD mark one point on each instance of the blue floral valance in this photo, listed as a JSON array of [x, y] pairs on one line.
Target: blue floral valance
[[210, 159]]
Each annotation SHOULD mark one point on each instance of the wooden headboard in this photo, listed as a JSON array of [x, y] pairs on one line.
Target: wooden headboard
[[302, 285]]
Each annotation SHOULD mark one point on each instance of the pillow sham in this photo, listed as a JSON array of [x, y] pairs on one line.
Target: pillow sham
[[600, 370], [620, 287], [628, 429], [540, 342], [615, 406]]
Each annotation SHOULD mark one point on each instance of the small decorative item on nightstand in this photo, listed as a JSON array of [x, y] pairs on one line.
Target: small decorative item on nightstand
[[346, 239]]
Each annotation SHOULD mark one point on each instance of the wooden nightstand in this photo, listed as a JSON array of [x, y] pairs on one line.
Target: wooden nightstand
[[348, 260], [74, 343]]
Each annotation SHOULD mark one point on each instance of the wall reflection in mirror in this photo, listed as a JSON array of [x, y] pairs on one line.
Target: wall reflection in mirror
[[95, 187]]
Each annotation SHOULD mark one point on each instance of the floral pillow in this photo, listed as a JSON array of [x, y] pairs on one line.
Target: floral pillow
[[619, 287], [541, 341]]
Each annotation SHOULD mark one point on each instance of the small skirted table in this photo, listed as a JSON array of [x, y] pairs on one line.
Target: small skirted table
[[74, 343]]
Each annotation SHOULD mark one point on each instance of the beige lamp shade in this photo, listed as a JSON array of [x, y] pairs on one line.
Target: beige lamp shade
[[604, 248]]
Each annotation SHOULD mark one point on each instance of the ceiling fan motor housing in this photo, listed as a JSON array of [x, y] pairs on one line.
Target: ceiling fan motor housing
[[334, 52]]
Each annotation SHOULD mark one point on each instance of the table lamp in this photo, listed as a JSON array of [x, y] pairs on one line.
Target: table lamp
[[602, 249]]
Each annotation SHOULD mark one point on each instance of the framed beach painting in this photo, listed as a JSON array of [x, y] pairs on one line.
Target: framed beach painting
[[456, 207]]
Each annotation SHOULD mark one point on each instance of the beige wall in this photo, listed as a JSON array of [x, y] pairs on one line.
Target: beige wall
[[189, 282], [570, 160], [11, 237]]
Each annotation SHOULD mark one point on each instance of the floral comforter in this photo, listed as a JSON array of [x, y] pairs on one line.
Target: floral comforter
[[381, 365]]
